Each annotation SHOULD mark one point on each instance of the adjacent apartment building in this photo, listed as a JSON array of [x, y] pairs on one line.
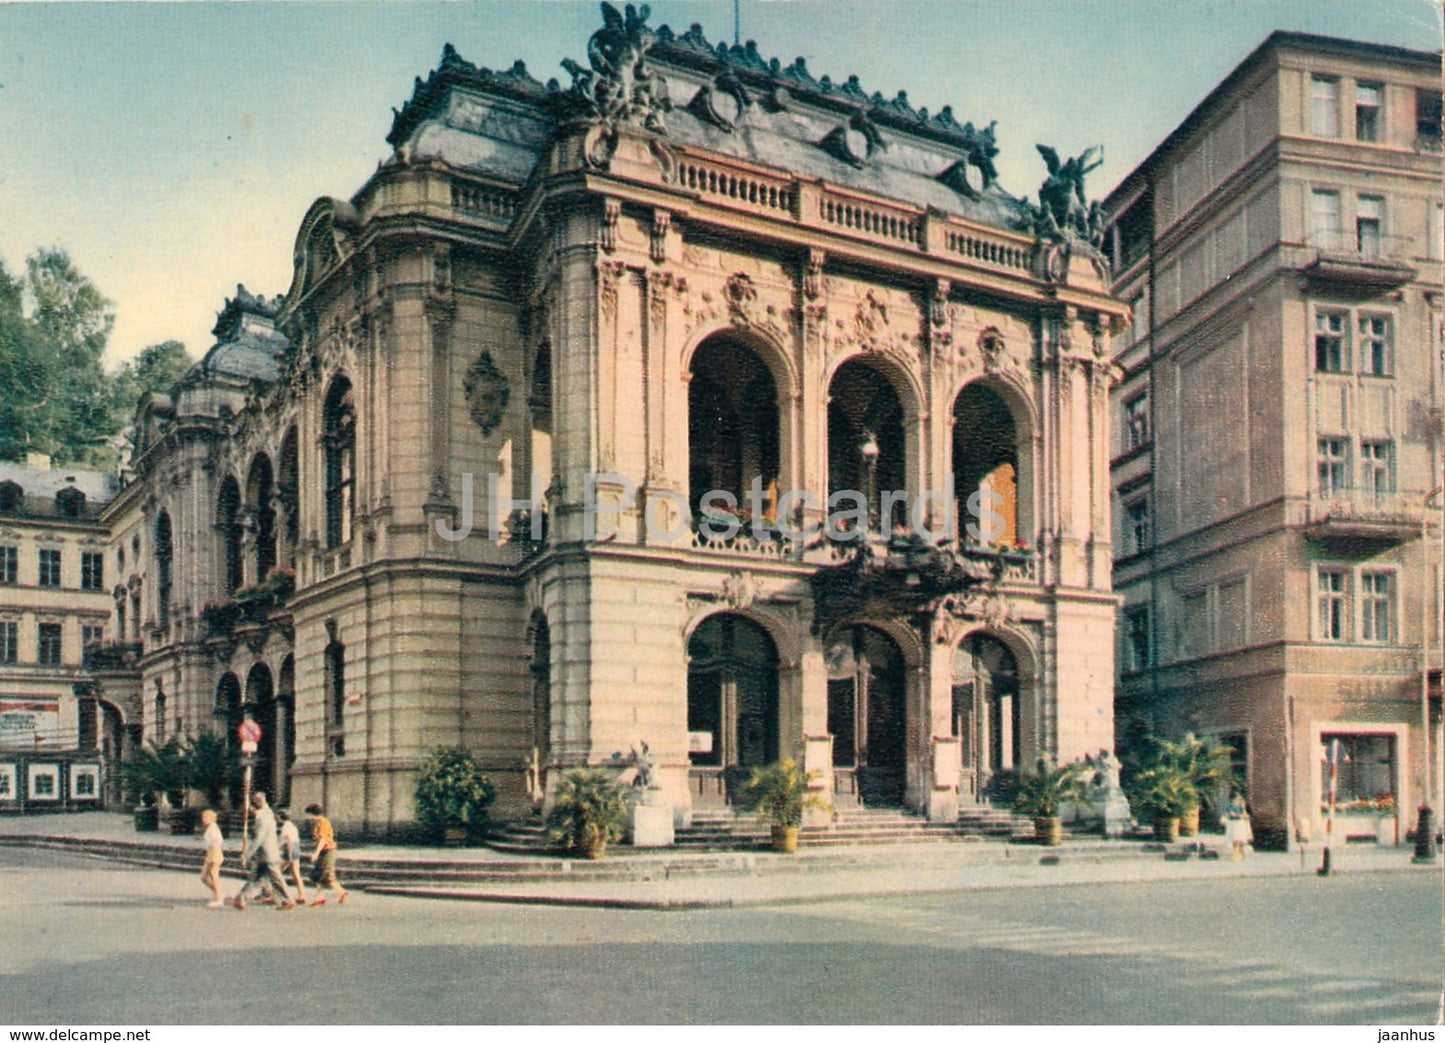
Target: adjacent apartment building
[[54, 615], [1276, 463]]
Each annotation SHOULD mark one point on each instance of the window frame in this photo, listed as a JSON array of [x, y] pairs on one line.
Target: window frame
[[1377, 467], [1138, 525], [1372, 112], [1339, 361], [9, 565], [49, 644], [1376, 603], [1137, 428], [48, 567], [1376, 347], [1371, 223], [1334, 627], [1138, 638], [92, 570], [9, 642], [1336, 466], [1324, 106], [1325, 222]]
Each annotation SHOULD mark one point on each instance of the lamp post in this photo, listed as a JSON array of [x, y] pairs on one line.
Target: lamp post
[[868, 449]]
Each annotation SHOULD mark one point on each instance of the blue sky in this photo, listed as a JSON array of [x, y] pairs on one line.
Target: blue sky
[[174, 148]]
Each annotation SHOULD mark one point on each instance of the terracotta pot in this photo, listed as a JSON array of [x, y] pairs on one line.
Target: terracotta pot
[[1166, 830], [1189, 822], [785, 839], [147, 818], [1049, 830]]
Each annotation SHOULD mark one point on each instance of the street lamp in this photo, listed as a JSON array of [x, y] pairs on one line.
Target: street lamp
[[868, 449]]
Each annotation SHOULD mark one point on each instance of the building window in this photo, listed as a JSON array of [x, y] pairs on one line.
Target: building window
[[1140, 316], [1369, 225], [1325, 106], [8, 559], [90, 635], [70, 502], [339, 437], [1325, 219], [1333, 464], [1375, 345], [12, 497], [165, 553], [1377, 469], [1332, 345], [1136, 422], [1334, 585], [48, 647], [44, 784], [1136, 526], [1427, 120], [92, 570], [1375, 607], [9, 641], [84, 784], [49, 568], [1136, 637], [1367, 111], [1364, 769]]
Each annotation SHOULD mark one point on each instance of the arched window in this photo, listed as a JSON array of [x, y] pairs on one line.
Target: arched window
[[259, 487], [228, 525], [866, 443], [339, 438], [165, 555], [985, 468], [288, 486], [732, 692], [69, 502], [732, 411]]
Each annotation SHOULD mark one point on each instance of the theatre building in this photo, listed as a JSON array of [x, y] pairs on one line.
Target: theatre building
[[535, 454]]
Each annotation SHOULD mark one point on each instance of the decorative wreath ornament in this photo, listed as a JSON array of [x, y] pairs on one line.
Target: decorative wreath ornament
[[487, 393]]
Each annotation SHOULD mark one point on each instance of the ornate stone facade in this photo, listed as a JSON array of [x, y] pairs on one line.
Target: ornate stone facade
[[553, 320]]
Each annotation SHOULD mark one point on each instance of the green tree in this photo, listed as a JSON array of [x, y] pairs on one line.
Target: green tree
[[25, 372], [74, 321], [156, 368]]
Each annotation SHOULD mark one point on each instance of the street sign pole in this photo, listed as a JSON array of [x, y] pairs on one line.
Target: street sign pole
[[250, 735], [1324, 869]]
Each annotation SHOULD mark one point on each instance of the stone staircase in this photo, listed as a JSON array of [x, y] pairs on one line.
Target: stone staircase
[[723, 829]]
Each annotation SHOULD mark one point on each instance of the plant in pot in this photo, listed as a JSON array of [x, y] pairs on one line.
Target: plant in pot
[[452, 795], [1205, 764], [137, 773], [588, 812], [782, 793], [1041, 793], [212, 765], [1164, 792]]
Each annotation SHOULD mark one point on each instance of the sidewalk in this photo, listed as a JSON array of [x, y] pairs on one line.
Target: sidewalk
[[690, 880]]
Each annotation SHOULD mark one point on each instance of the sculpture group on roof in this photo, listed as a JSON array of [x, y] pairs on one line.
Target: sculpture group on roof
[[619, 86]]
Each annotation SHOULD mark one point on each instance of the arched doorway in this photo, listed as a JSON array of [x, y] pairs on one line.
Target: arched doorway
[[227, 714], [732, 704], [867, 714], [732, 409], [867, 448], [260, 706], [112, 753], [986, 474], [987, 715]]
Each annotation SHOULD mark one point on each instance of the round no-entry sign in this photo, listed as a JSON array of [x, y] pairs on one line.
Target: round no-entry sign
[[249, 732]]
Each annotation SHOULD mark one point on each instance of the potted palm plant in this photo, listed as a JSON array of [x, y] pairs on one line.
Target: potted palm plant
[[1040, 794], [588, 812], [1206, 766], [782, 791], [1164, 792], [452, 795]]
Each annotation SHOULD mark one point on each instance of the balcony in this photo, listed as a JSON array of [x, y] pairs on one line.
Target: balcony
[[1370, 262], [1365, 517]]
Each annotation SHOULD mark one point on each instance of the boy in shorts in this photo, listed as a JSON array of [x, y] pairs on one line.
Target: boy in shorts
[[291, 853], [211, 868]]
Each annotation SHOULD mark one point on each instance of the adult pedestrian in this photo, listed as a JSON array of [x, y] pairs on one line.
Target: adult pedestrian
[[262, 855], [323, 859], [291, 853], [215, 855]]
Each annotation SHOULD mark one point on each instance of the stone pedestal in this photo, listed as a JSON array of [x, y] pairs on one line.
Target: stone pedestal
[[649, 822]]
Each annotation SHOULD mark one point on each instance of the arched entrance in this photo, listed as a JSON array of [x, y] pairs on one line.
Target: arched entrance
[[112, 753], [286, 730], [732, 704], [867, 715], [986, 711]]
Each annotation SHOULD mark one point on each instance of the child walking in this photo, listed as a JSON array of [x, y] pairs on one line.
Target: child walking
[[291, 853], [211, 868]]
